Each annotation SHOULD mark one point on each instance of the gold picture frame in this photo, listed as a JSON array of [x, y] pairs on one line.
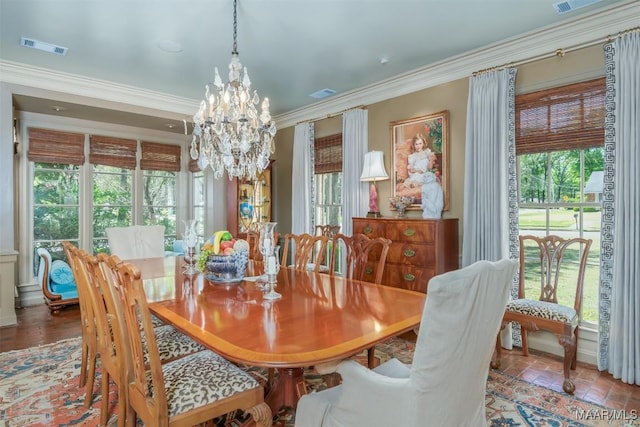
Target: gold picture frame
[[433, 129]]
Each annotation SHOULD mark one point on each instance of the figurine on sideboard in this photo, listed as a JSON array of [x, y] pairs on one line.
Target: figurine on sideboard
[[432, 194]]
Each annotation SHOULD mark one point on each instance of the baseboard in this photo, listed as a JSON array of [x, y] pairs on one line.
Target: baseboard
[[30, 295], [548, 343]]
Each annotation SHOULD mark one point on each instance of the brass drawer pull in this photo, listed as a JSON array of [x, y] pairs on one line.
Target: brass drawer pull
[[367, 230], [409, 232], [409, 253], [409, 277], [368, 270]]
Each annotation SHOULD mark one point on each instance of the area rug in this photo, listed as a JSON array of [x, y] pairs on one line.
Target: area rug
[[39, 387]]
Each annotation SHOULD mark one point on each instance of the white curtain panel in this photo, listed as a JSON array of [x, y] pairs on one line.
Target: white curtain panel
[[619, 337], [302, 179], [355, 140], [490, 189], [490, 230]]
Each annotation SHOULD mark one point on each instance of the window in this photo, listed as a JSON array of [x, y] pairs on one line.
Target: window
[[559, 147], [114, 161], [160, 163], [328, 182], [112, 202], [111, 178], [57, 157], [159, 202], [56, 208], [198, 195]]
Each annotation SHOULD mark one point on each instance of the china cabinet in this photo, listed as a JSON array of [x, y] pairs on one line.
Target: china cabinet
[[249, 202]]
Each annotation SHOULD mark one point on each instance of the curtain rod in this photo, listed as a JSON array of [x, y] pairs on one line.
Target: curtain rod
[[558, 52], [328, 116]]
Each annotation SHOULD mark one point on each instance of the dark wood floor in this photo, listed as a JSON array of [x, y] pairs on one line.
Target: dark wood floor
[[36, 326]]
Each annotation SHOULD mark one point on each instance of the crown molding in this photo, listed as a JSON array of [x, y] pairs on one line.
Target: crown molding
[[585, 29], [544, 41], [27, 79]]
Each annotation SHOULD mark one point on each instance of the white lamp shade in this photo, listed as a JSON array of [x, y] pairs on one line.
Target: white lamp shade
[[373, 169]]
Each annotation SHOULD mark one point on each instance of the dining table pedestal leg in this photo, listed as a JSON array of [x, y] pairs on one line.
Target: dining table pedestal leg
[[287, 389]]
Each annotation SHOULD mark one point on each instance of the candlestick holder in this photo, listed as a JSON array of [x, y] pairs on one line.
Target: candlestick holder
[[190, 240], [272, 266]]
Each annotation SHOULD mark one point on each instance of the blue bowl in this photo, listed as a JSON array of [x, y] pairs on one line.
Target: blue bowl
[[228, 266]]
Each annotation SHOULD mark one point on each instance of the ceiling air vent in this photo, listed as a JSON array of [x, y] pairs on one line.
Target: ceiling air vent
[[47, 47], [571, 5], [323, 93]]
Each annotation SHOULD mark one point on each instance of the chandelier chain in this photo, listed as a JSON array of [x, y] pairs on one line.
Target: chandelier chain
[[235, 27]]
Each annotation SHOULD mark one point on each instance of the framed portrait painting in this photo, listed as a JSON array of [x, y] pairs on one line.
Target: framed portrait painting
[[420, 148]]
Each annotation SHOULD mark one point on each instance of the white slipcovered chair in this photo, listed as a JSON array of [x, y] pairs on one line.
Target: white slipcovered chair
[[445, 386], [137, 241]]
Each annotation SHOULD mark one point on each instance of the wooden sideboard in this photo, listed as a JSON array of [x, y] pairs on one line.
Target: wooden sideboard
[[420, 248]]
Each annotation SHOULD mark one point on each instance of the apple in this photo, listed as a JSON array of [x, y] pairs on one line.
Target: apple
[[226, 244], [228, 251]]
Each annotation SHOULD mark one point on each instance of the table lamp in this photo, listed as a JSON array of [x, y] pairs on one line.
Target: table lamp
[[373, 170]]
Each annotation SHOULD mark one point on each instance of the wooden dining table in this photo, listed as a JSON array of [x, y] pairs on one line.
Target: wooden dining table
[[319, 319]]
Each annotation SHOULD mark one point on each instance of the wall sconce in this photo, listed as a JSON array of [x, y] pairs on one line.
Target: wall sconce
[[373, 170]]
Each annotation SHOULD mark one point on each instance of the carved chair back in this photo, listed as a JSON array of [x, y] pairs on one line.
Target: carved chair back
[[307, 251], [363, 256]]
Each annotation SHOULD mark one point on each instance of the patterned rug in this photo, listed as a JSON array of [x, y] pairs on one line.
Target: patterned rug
[[39, 387]]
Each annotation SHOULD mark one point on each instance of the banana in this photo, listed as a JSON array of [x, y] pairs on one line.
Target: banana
[[217, 238]]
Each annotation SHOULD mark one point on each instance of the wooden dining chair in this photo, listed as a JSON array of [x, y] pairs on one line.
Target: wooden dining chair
[[328, 230], [560, 266], [97, 284], [109, 332], [187, 391], [172, 344], [253, 237], [88, 326], [364, 259], [307, 252]]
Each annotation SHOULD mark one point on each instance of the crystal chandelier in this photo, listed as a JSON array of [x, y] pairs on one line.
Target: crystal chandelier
[[229, 134]]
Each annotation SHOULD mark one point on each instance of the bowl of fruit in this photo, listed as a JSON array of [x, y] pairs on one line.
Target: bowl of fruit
[[224, 258]]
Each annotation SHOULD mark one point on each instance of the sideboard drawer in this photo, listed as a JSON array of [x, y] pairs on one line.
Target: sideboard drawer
[[412, 232], [370, 229], [407, 277], [413, 254]]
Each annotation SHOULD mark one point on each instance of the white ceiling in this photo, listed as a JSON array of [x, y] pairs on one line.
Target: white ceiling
[[291, 48]]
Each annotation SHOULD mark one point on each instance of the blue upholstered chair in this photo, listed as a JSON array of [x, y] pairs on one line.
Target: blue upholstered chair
[[56, 278]]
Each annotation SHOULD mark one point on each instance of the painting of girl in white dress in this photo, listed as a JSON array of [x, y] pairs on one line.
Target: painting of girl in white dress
[[420, 161]]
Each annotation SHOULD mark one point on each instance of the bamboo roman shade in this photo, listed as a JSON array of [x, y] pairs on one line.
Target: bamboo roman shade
[[561, 118], [160, 157], [193, 165], [327, 153], [51, 146], [116, 152]]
